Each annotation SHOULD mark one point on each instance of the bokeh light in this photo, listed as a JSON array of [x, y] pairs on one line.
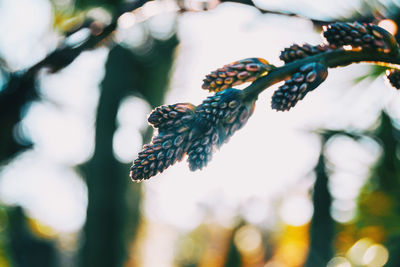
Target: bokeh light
[[100, 14], [64, 136], [376, 256], [296, 210], [339, 262], [358, 250], [131, 119], [248, 239], [126, 20]]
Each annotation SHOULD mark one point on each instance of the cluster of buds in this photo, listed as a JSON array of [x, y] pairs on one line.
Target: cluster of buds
[[236, 73], [295, 51], [196, 131], [309, 77], [354, 34], [393, 76]]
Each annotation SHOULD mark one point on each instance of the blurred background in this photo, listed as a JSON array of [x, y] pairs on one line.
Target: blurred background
[[316, 186]]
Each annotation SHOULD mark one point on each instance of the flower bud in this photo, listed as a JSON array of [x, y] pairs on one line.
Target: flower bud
[[171, 116], [236, 73], [308, 77], [355, 34], [295, 51]]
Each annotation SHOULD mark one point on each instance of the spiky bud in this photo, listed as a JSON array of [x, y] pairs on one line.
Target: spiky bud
[[171, 116], [355, 34], [236, 73], [220, 116], [201, 150], [165, 150], [196, 131], [296, 51], [308, 77], [393, 76], [171, 143]]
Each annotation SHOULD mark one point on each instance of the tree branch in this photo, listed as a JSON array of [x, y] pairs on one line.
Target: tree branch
[[332, 59], [20, 88], [197, 131]]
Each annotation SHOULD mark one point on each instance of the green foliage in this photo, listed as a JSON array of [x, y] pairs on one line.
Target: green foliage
[[108, 4], [379, 200], [27, 249]]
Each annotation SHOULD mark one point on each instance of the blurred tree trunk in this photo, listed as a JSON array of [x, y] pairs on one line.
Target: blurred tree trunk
[[107, 184], [111, 221], [233, 257], [322, 224]]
